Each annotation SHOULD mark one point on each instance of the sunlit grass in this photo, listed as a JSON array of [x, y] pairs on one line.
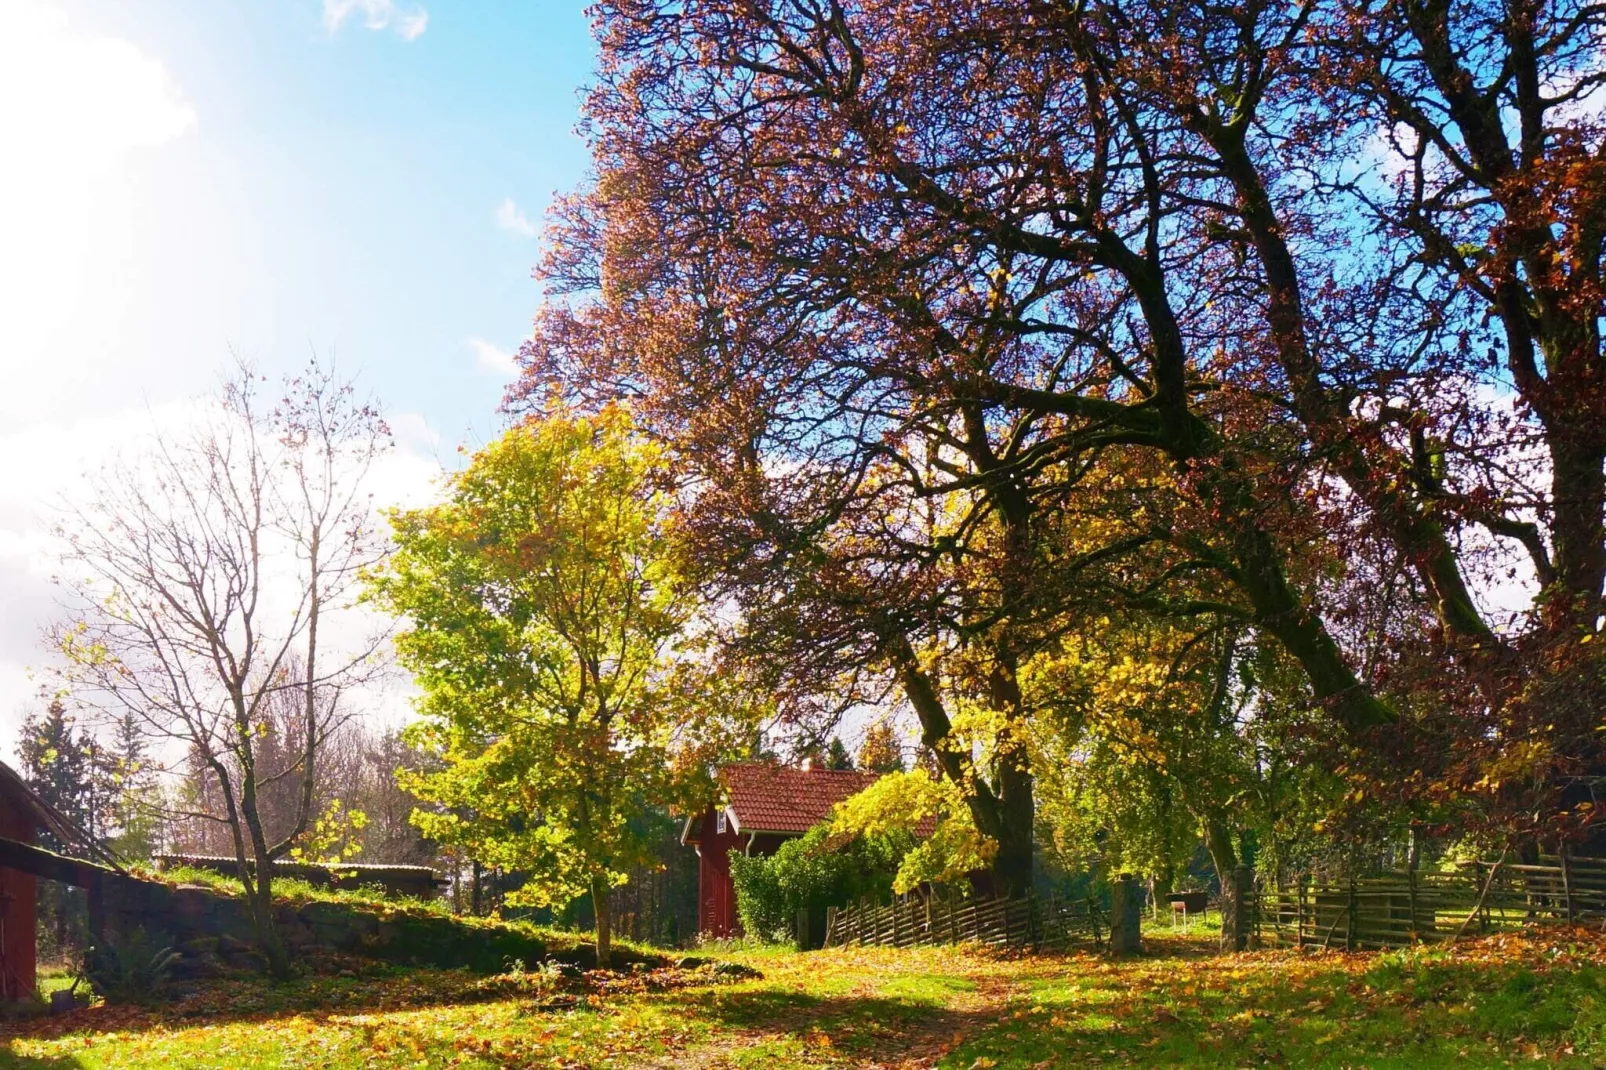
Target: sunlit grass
[[1497, 1002]]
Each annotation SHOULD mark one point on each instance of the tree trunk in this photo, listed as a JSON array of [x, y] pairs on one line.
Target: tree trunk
[[255, 863], [261, 897], [1218, 841], [602, 907], [1012, 866], [272, 944], [1578, 487], [1004, 817]]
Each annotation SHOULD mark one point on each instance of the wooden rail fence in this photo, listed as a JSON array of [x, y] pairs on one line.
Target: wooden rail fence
[[1396, 909], [910, 921]]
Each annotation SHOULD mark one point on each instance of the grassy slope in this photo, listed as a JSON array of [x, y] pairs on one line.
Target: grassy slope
[[560, 943], [1492, 1003]]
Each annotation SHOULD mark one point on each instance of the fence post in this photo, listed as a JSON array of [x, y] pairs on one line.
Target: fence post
[[1299, 913], [1126, 908], [1411, 875], [1567, 883], [830, 924], [1093, 920], [1235, 910], [1351, 921]]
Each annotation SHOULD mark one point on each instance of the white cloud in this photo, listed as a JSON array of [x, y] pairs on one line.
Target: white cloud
[[511, 218], [492, 357], [71, 99], [376, 15], [78, 112]]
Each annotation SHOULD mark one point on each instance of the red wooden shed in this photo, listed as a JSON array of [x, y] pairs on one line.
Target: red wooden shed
[[763, 806], [23, 815]]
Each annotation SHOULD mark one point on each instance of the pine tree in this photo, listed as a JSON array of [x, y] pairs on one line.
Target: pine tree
[[58, 764], [837, 756]]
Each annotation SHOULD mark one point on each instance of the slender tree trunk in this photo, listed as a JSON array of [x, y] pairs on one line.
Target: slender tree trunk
[[602, 906], [273, 947], [262, 915], [1218, 841], [261, 896]]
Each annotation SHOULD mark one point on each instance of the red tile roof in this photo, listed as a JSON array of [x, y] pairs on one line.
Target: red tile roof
[[776, 798]]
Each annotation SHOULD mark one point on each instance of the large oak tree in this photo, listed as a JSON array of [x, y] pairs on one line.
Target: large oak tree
[[1337, 266]]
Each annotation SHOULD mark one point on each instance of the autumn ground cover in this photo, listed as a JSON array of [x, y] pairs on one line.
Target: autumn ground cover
[[1495, 1002]]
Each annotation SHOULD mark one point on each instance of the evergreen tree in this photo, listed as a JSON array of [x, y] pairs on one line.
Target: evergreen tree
[[57, 762], [837, 756]]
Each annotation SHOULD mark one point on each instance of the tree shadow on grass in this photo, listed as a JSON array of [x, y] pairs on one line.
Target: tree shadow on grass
[[855, 1025], [12, 1061], [377, 991]]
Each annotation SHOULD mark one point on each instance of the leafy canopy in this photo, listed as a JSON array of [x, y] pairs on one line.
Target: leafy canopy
[[895, 807], [546, 629]]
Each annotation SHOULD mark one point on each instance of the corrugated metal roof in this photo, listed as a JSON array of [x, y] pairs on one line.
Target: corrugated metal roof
[[207, 861]]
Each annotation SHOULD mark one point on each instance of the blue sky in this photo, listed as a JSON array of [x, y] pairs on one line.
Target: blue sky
[[358, 177]]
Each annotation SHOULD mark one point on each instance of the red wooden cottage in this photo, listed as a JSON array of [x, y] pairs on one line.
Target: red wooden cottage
[[764, 805]]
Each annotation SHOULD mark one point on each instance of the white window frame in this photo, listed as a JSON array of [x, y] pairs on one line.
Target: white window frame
[[719, 823]]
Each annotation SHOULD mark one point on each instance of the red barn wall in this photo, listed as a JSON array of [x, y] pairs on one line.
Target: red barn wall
[[18, 943], [716, 892], [716, 895]]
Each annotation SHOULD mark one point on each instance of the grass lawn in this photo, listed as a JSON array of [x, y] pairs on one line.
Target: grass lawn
[[1495, 1002]]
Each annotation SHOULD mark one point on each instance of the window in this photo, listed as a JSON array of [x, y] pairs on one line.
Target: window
[[719, 823]]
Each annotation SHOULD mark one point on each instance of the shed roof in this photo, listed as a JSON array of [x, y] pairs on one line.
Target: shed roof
[[47, 817], [763, 797], [777, 798]]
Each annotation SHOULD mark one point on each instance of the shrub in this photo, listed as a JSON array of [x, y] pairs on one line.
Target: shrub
[[131, 967], [815, 871]]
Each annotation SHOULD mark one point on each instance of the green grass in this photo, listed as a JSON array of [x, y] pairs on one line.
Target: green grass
[[1502, 1001], [53, 978], [1495, 1002]]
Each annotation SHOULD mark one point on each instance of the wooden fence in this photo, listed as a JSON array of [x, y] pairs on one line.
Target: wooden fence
[[1396, 909], [1034, 922]]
